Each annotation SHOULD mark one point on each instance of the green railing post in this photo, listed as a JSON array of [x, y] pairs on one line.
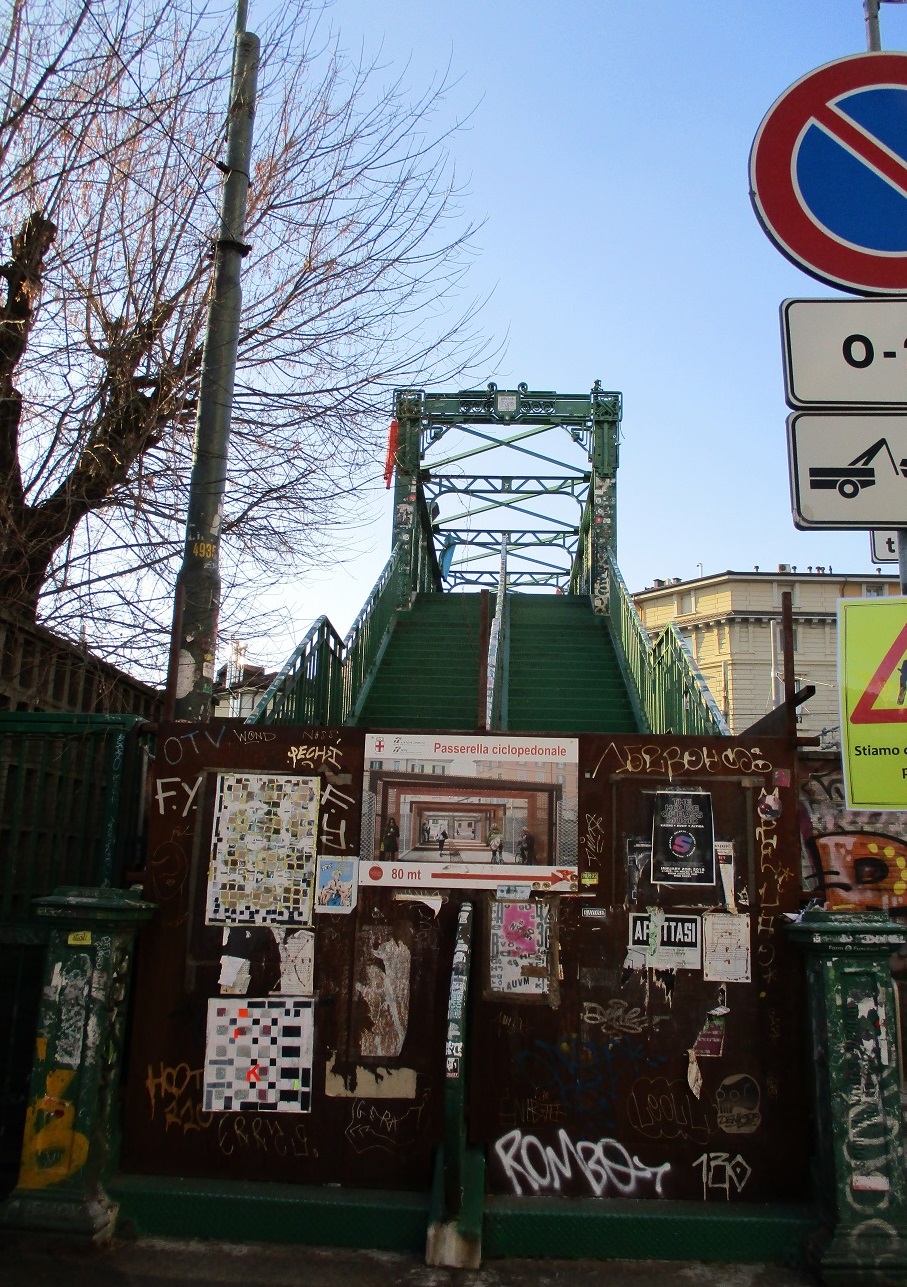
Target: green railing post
[[71, 1108], [852, 1009], [458, 1196]]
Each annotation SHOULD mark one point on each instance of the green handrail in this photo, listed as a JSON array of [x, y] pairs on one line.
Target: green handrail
[[671, 691], [325, 676]]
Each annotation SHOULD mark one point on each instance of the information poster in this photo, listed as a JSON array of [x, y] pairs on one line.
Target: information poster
[[683, 848]]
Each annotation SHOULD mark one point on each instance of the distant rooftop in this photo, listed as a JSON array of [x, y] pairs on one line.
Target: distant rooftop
[[789, 570]]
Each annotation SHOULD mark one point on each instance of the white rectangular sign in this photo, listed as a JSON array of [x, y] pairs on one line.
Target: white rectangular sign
[[848, 471], [883, 547], [845, 352]]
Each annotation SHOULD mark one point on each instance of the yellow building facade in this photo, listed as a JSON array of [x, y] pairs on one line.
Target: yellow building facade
[[732, 622]]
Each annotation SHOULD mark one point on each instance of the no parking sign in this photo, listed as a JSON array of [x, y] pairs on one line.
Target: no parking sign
[[828, 173]]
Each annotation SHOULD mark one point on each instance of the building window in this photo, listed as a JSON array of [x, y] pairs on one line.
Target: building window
[[872, 590], [686, 603]]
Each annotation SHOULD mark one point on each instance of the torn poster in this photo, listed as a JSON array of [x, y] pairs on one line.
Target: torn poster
[[724, 852], [519, 961], [235, 975], [710, 1042], [683, 851], [670, 940], [383, 984], [726, 947], [263, 850], [258, 1056], [336, 884], [297, 962], [639, 855]]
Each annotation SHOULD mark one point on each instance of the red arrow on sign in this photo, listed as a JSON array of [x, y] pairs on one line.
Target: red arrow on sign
[[864, 712], [254, 1073]]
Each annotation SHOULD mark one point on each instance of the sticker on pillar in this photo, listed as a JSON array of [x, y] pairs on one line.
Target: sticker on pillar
[[470, 812], [726, 947], [336, 884], [263, 850], [258, 1056], [683, 851], [519, 949]]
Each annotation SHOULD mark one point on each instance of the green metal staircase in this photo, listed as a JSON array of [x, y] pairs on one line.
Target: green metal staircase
[[562, 674], [487, 657], [429, 676]]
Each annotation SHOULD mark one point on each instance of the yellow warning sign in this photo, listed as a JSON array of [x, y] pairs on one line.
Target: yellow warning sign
[[872, 678]]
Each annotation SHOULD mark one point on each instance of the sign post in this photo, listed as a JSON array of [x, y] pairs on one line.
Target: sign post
[[828, 182]]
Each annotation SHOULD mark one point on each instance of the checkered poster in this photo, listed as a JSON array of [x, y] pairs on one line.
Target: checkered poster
[[258, 1055]]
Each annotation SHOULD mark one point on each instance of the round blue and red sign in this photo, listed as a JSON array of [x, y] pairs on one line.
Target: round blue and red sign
[[828, 173]]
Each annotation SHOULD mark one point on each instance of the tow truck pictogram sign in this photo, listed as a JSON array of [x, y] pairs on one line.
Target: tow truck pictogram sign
[[848, 471], [850, 479]]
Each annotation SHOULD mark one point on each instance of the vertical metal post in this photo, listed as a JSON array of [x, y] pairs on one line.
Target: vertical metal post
[[787, 652], [874, 46], [200, 574]]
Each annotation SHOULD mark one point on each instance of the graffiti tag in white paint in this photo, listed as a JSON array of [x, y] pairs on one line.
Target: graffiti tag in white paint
[[533, 1167]]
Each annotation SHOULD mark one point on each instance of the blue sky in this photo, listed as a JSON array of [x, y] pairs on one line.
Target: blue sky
[[607, 153]]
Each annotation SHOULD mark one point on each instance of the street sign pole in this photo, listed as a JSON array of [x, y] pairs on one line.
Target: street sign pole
[[874, 46]]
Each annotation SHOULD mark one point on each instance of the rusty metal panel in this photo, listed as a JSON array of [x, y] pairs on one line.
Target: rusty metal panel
[[585, 1004], [597, 1096], [379, 986]]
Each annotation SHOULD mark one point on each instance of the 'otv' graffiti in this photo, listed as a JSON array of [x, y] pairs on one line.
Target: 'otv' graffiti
[[605, 1164]]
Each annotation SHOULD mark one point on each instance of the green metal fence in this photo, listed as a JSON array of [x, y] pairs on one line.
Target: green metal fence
[[671, 691], [325, 677], [71, 789]]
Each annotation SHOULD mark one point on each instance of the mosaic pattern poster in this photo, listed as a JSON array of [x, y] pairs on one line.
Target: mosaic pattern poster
[[258, 1056], [263, 850]]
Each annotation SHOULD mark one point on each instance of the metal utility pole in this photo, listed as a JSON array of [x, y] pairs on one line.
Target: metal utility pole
[[198, 584], [874, 46]]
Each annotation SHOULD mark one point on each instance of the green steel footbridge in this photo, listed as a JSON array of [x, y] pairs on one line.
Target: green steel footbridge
[[501, 606]]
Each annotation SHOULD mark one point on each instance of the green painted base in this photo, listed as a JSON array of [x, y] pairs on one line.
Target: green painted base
[[79, 1216], [872, 1256], [624, 1229], [536, 1228], [164, 1206]]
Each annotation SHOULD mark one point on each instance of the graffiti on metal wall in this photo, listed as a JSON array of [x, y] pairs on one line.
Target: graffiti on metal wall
[[607, 1167], [849, 857]]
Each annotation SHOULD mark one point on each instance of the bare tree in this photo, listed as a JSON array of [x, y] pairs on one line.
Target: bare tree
[[111, 125]]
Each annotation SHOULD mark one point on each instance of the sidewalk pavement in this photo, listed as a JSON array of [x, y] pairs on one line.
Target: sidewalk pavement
[[35, 1261]]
